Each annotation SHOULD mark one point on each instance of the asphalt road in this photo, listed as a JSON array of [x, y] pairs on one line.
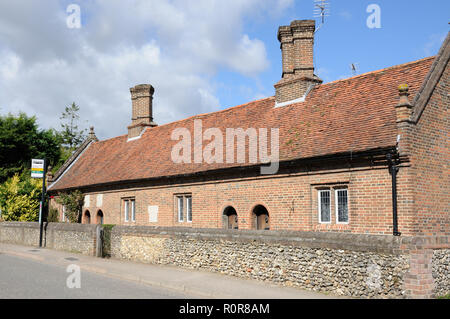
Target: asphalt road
[[24, 278]]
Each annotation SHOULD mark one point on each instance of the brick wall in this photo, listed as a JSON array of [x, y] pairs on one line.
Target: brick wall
[[291, 200], [430, 160]]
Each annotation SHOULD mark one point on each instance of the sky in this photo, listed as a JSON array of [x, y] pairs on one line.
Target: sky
[[199, 55]]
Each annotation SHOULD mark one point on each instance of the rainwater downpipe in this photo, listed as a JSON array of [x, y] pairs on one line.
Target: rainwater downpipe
[[393, 170]]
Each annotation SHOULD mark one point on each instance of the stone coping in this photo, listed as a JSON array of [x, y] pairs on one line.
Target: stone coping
[[91, 228], [388, 244]]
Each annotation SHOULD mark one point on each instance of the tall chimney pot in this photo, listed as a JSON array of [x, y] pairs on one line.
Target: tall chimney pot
[[297, 44], [142, 109]]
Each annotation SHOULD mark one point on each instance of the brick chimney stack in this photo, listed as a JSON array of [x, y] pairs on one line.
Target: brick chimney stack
[[403, 112], [296, 43], [404, 107], [142, 108]]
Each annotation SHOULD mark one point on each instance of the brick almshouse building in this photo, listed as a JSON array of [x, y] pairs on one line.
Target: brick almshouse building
[[339, 144]]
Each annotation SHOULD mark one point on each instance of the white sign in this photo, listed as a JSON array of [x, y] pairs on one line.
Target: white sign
[[87, 201], [99, 200], [153, 214], [37, 168]]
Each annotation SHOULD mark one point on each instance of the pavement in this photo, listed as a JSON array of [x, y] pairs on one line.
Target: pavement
[[22, 278], [182, 282]]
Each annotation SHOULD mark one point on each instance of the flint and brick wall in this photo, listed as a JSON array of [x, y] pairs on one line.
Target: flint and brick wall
[[441, 271], [365, 266], [368, 266], [74, 238]]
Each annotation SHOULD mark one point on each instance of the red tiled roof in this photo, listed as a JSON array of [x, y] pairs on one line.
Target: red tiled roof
[[354, 114]]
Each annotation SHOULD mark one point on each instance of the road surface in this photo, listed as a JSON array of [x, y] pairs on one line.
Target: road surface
[[25, 278]]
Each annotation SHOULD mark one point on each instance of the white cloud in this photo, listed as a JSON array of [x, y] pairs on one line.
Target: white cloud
[[177, 46]]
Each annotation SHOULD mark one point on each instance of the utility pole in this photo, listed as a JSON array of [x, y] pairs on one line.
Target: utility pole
[[39, 170]]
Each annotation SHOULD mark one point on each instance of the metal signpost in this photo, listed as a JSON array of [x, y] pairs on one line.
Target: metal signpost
[[39, 170]]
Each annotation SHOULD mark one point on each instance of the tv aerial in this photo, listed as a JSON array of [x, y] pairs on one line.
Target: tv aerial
[[321, 10], [355, 68]]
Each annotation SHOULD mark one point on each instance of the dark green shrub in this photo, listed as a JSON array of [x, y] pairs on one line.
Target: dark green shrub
[[106, 249], [53, 215]]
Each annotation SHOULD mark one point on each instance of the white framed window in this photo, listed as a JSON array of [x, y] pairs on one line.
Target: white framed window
[[189, 208], [341, 199], [129, 209], [180, 205], [324, 205], [125, 209], [133, 210], [184, 208]]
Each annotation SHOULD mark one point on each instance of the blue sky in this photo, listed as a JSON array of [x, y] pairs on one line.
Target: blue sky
[[410, 30], [200, 55]]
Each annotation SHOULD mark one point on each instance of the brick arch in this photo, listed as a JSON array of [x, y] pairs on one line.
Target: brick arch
[[257, 220], [99, 217], [221, 210], [230, 218], [86, 217]]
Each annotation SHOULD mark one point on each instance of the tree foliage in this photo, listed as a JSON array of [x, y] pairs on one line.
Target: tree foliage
[[73, 203], [72, 136], [21, 140], [20, 197]]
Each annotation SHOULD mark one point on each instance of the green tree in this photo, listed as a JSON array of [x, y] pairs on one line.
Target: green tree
[[72, 136], [20, 197], [21, 140], [73, 202]]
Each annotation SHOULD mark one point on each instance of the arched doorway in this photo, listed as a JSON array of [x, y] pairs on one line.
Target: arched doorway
[[230, 218], [87, 217], [261, 217], [100, 217]]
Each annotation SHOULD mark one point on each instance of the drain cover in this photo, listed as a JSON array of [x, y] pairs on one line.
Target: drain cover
[[71, 258], [33, 250]]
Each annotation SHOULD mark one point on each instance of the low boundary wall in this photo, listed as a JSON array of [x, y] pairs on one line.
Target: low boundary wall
[[77, 238], [358, 265]]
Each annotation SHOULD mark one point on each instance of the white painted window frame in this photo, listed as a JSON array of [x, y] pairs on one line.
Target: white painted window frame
[[180, 212], [129, 207], [188, 208], [133, 209], [319, 204], [336, 205], [125, 208]]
